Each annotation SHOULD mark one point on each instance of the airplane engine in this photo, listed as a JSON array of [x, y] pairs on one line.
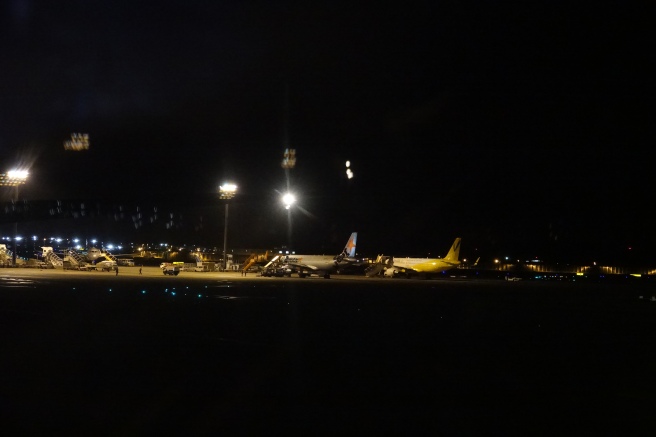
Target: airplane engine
[[390, 272]]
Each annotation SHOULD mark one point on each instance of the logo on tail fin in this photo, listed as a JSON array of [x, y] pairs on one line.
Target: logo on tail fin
[[349, 249], [350, 245]]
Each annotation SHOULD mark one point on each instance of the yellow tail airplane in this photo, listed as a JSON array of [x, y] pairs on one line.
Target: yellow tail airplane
[[393, 265]]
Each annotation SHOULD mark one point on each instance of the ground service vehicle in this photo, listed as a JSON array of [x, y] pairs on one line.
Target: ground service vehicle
[[170, 269]]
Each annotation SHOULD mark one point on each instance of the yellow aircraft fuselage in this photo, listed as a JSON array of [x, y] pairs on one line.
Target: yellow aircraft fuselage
[[425, 265]]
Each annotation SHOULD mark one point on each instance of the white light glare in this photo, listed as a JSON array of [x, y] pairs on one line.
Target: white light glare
[[228, 190], [228, 187], [18, 174], [288, 199], [349, 172]]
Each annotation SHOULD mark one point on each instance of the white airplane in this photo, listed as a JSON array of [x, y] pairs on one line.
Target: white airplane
[[94, 253], [394, 265], [306, 265], [103, 260]]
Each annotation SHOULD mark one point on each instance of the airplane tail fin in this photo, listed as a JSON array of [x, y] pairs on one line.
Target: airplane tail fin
[[349, 249], [454, 252]]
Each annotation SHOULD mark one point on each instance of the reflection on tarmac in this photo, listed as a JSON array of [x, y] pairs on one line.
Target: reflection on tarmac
[[15, 282]]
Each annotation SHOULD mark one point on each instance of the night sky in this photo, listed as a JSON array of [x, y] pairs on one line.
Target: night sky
[[524, 129]]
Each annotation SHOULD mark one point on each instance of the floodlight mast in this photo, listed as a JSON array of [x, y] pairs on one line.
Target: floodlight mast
[[288, 199], [226, 192], [14, 178]]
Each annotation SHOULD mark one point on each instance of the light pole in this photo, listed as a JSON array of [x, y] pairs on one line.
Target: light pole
[[226, 192], [14, 178], [289, 199]]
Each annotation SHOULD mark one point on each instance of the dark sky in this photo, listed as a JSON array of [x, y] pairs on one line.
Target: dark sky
[[524, 129]]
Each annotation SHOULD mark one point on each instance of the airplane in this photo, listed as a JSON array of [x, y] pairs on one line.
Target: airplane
[[102, 259], [306, 265], [94, 253], [392, 266]]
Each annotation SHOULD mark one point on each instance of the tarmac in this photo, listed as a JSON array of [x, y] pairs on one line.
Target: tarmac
[[93, 353], [129, 272]]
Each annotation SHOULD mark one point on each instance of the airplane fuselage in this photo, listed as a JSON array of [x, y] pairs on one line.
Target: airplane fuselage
[[324, 263], [425, 265]]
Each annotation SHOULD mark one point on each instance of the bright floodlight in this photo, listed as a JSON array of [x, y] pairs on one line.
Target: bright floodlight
[[227, 191], [18, 174], [349, 172], [288, 199], [13, 178], [289, 158], [77, 142]]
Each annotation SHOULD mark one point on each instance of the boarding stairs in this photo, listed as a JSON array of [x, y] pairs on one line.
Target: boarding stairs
[[110, 256], [272, 262], [74, 256], [5, 254], [255, 258], [271, 265], [50, 257], [382, 263]]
